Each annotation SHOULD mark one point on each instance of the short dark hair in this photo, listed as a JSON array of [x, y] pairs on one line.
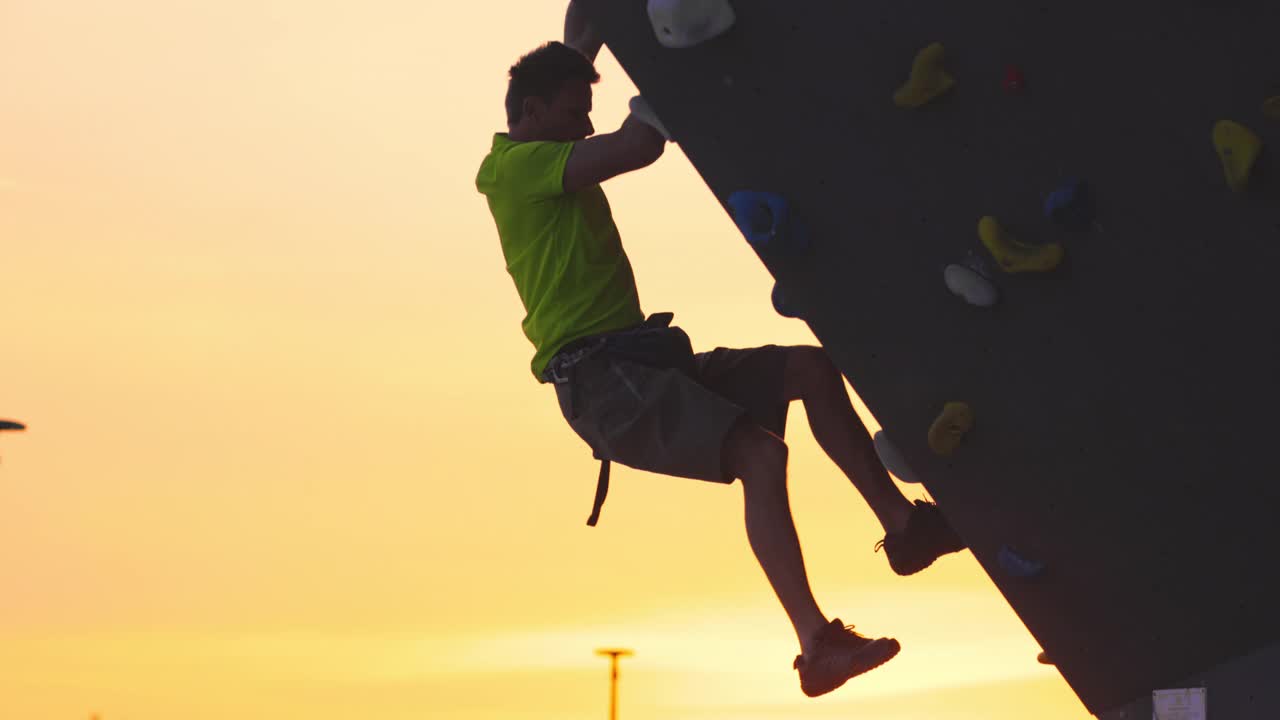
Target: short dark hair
[[543, 73]]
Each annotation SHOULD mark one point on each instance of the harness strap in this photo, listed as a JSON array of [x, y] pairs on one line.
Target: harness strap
[[570, 355], [602, 489]]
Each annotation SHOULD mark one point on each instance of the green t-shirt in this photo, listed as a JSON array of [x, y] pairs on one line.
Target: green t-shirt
[[562, 250]]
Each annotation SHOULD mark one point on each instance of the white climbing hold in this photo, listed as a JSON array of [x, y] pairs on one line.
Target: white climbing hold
[[892, 458], [685, 23], [970, 285], [642, 110]]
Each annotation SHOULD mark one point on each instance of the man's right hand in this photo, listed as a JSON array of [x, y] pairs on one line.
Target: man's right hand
[[641, 110], [642, 132], [579, 33]]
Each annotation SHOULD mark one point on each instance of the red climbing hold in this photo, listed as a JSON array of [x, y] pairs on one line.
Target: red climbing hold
[[1014, 82]]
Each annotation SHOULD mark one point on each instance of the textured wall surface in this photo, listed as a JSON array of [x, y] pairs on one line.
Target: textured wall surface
[[1127, 402]]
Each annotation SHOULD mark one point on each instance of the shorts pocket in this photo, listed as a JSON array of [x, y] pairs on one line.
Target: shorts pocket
[[566, 396]]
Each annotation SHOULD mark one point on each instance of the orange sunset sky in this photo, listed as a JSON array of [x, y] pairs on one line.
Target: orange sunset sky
[[285, 456]]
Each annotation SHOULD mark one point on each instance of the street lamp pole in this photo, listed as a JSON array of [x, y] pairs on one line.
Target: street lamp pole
[[11, 425], [614, 654]]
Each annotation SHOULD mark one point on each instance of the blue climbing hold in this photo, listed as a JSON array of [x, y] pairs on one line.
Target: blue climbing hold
[[1018, 566], [1071, 206], [782, 304], [766, 221]]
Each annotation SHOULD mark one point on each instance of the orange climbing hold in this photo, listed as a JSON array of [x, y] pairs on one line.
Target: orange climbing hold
[[1014, 256], [927, 81], [1271, 107], [1238, 149], [950, 428]]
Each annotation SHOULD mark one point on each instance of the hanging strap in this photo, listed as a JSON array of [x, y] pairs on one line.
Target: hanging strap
[[575, 351], [602, 489]]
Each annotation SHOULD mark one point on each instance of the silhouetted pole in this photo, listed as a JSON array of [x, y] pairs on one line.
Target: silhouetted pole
[[613, 654], [11, 425]]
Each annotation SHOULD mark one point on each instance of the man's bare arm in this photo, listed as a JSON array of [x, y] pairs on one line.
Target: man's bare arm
[[633, 146], [580, 34]]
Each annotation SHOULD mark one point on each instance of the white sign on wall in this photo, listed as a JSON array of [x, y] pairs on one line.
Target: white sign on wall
[[1179, 704]]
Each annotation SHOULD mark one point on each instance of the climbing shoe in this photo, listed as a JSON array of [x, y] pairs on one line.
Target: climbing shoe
[[840, 654], [927, 537]]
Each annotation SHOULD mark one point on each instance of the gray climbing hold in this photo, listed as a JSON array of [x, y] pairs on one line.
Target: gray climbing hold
[[685, 23], [1017, 565], [970, 285], [642, 110], [892, 458]]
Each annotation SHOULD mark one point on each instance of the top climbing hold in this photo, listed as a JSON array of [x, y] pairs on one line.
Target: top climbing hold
[[685, 23], [11, 425], [927, 81]]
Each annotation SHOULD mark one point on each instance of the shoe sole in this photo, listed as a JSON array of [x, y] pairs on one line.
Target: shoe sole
[[904, 572], [875, 654]]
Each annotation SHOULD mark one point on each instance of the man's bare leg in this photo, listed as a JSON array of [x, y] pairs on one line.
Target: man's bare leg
[[812, 378], [759, 459]]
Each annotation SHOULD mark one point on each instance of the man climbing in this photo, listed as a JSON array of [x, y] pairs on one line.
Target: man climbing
[[632, 388]]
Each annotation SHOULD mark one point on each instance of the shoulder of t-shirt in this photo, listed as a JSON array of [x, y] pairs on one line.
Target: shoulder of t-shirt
[[538, 164]]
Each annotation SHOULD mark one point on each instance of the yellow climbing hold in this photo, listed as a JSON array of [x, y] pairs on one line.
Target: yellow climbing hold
[[1238, 149], [1014, 256], [949, 429], [927, 81], [1271, 107]]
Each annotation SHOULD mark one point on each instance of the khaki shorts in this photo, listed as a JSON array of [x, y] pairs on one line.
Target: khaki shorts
[[664, 421]]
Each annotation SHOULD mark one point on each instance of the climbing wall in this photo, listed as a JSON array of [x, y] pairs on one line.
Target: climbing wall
[[1125, 400]]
